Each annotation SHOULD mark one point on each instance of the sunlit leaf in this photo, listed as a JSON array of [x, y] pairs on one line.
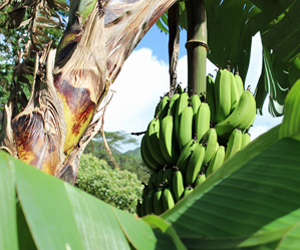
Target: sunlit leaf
[[8, 221], [55, 215], [238, 206]]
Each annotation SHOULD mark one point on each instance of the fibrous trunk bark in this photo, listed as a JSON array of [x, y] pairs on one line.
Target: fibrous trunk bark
[[67, 98]]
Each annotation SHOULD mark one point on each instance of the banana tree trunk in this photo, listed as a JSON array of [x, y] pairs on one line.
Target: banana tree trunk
[[66, 104], [196, 47]]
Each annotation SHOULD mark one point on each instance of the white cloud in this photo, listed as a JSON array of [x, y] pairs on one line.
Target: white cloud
[[255, 65], [138, 88], [258, 130], [141, 82]]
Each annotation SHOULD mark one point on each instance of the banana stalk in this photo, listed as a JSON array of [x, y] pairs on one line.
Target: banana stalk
[[196, 47]]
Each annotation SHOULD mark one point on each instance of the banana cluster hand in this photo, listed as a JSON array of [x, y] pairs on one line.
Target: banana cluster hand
[[189, 138]]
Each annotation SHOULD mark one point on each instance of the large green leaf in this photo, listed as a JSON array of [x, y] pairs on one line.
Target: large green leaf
[[251, 201], [60, 216], [291, 240], [274, 80], [269, 11], [278, 23], [283, 36], [229, 35], [8, 221]]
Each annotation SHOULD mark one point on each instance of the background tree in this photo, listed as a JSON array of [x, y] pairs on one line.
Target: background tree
[[120, 188], [130, 160]]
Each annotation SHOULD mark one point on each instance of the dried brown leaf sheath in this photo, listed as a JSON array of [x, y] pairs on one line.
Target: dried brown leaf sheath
[[63, 112]]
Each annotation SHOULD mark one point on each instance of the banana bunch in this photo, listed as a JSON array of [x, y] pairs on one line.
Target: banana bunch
[[189, 138], [176, 121], [233, 107]]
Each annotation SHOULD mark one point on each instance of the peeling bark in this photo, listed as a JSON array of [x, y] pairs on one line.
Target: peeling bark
[[66, 105]]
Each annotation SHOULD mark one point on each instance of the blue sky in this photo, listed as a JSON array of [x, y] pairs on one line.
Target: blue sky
[[158, 42], [144, 78]]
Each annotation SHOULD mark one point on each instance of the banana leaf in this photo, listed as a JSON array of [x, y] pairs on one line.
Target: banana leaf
[[52, 214], [278, 23], [250, 202], [274, 81], [8, 222]]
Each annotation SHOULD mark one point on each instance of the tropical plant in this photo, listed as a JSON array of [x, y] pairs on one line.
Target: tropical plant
[[238, 207], [251, 202]]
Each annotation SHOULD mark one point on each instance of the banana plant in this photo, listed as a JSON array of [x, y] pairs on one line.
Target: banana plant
[[251, 202], [70, 84]]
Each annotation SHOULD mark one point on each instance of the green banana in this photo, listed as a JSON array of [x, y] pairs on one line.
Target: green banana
[[172, 104], [159, 106], [211, 144], [239, 83], [217, 161], [185, 155], [166, 140], [187, 190], [200, 179], [291, 120], [195, 102], [235, 95], [167, 176], [202, 120], [152, 180], [147, 158], [160, 178], [148, 206], [181, 103], [167, 199], [162, 112], [246, 139], [210, 96], [242, 117], [234, 143], [222, 94], [177, 185], [185, 127], [152, 141], [195, 164], [157, 202]]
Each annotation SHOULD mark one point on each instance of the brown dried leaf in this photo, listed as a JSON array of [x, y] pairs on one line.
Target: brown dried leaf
[[16, 17], [126, 23], [25, 22], [61, 5], [51, 4], [4, 4], [46, 20]]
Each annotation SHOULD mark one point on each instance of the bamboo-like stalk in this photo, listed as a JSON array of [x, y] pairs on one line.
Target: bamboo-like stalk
[[196, 46]]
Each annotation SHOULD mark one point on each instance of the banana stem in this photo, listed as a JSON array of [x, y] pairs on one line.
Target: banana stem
[[196, 47]]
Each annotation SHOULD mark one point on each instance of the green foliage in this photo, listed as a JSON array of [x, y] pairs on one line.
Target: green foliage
[[121, 188], [60, 216]]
